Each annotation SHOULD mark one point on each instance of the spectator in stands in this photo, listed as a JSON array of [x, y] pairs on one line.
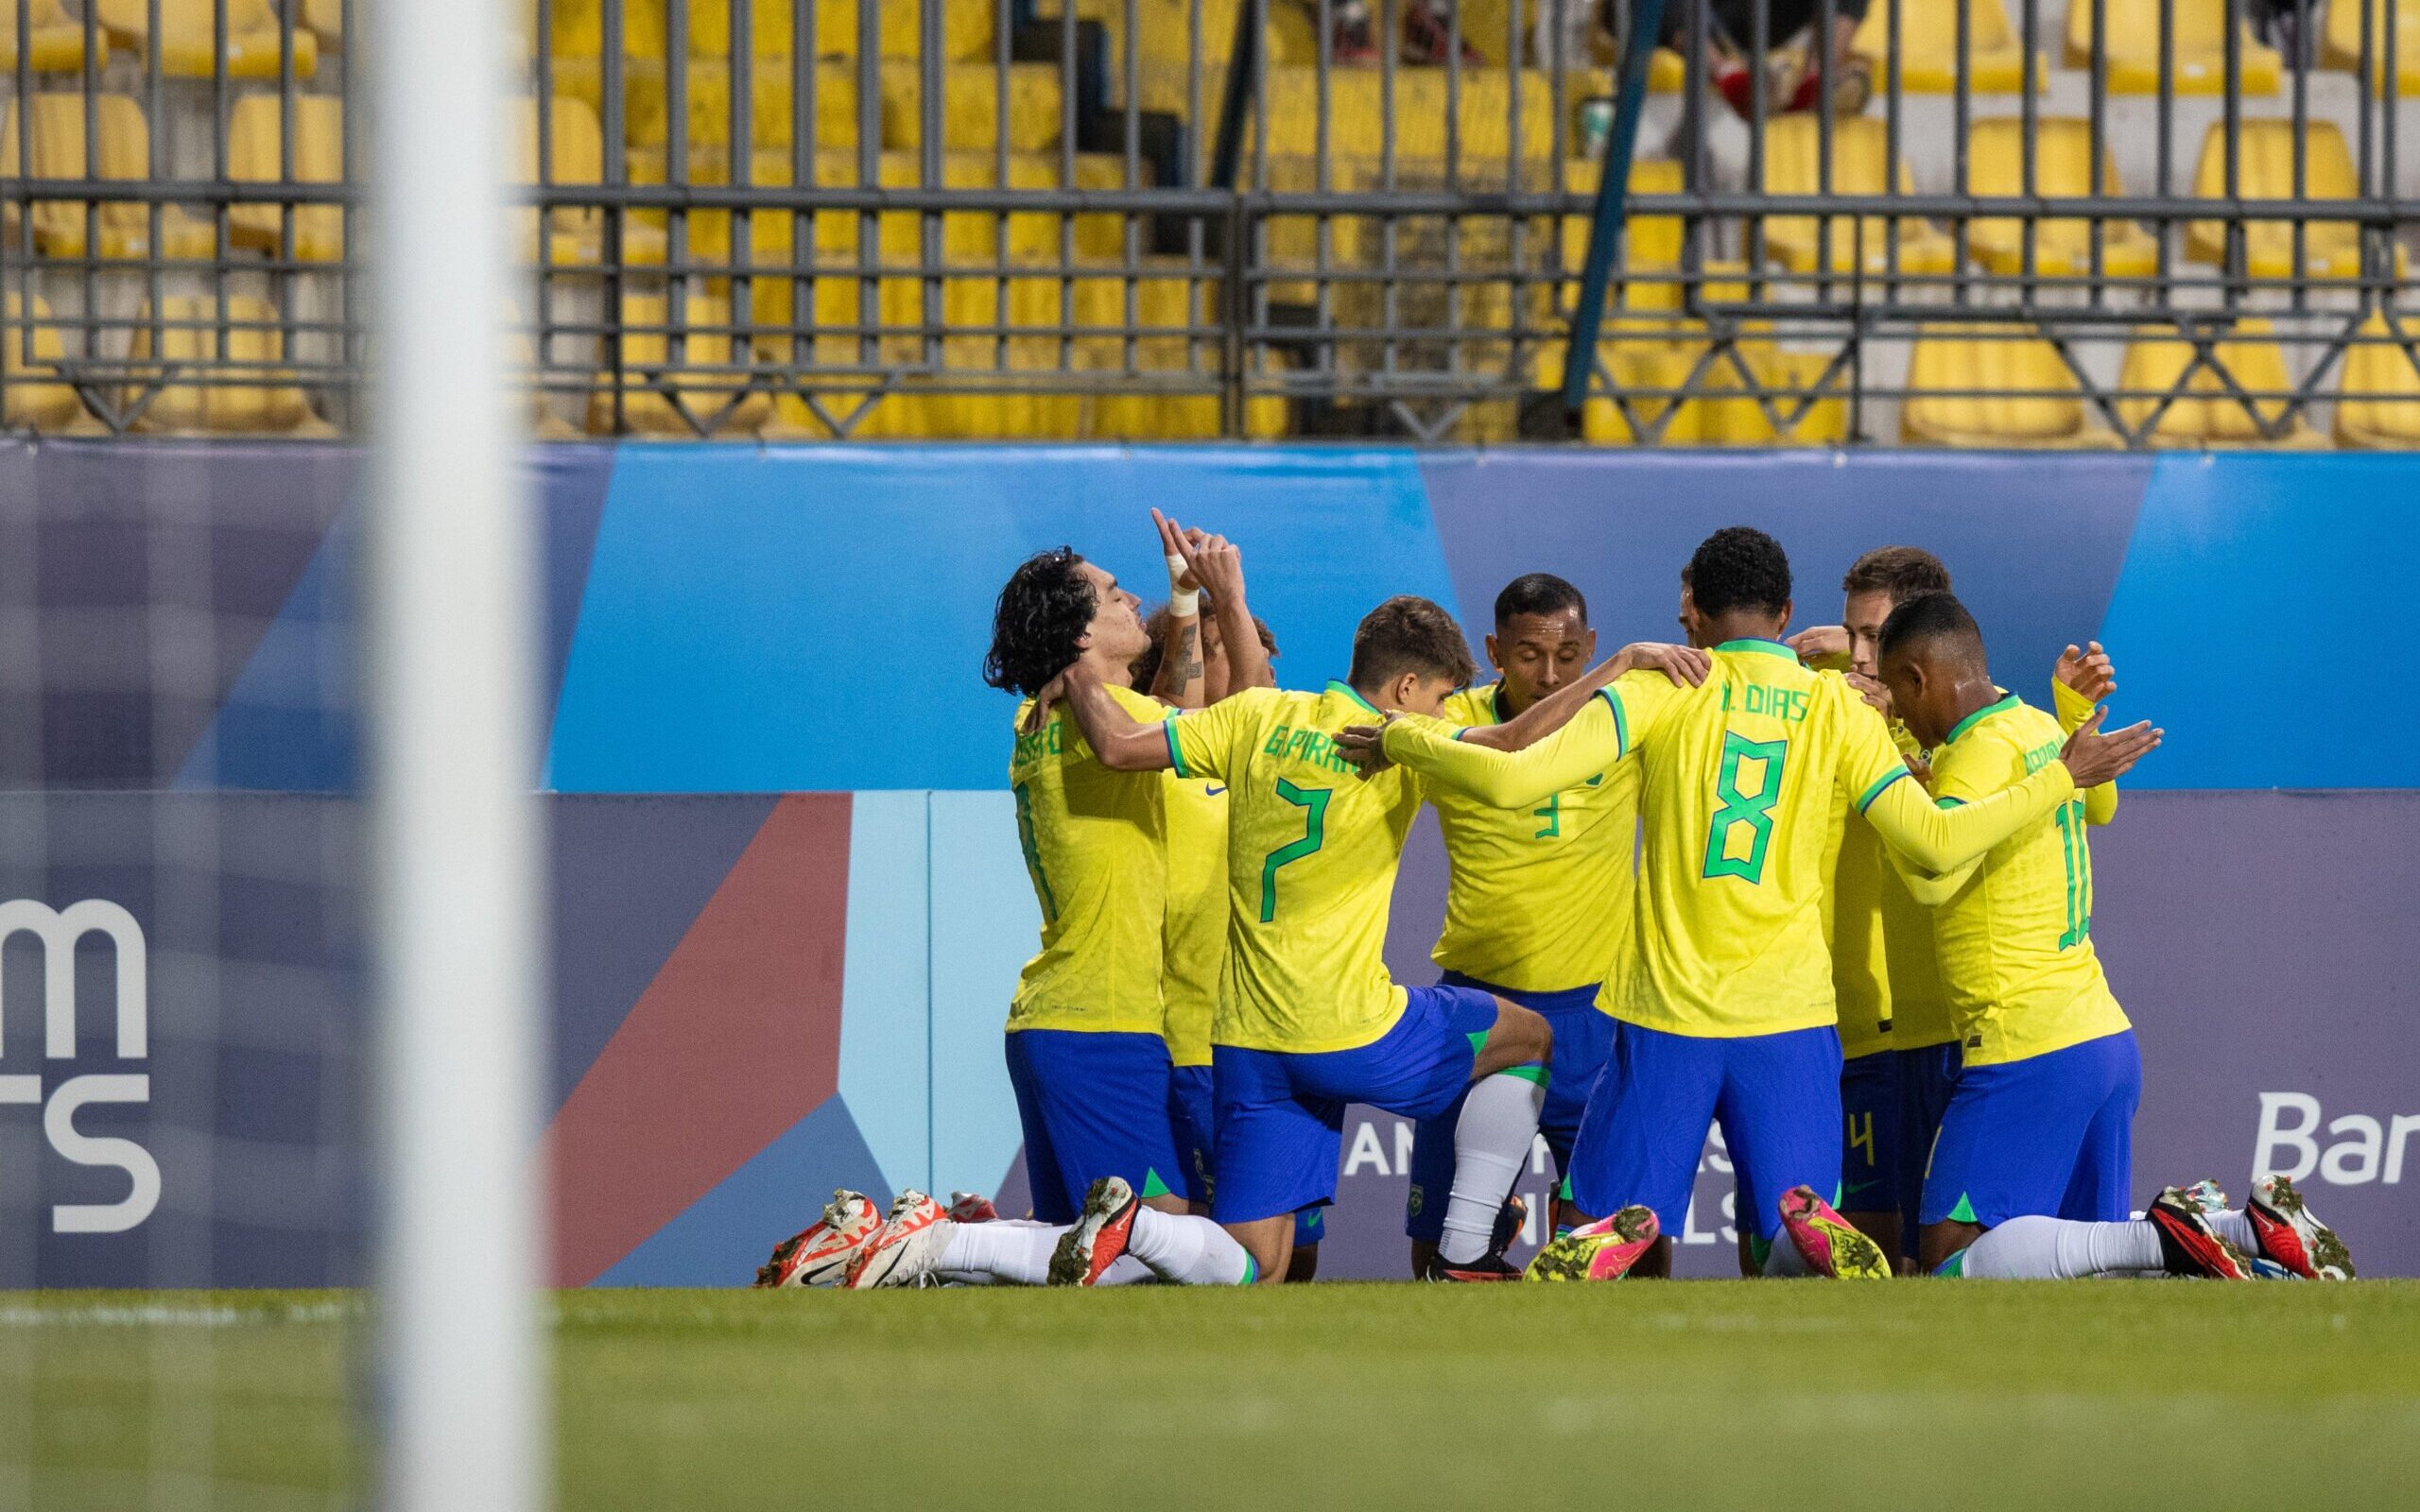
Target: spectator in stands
[[1427, 37], [1590, 28]]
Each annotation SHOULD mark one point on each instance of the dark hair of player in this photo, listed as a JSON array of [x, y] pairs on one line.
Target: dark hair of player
[[1739, 567], [1408, 633], [1900, 571], [1042, 612], [1147, 666], [1537, 593], [1933, 617]]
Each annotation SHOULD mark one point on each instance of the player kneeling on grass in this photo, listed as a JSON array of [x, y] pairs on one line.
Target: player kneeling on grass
[[2032, 1172], [1309, 1020]]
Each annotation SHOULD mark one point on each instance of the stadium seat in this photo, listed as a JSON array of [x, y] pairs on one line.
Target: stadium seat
[[37, 399], [2265, 170], [121, 152], [58, 41], [254, 138], [2377, 395], [255, 37], [1422, 121], [576, 235], [2061, 168], [1648, 241], [261, 398], [2207, 413], [1793, 153], [1928, 48], [1991, 385], [2341, 42], [578, 28], [970, 111], [326, 19], [664, 395], [2132, 40], [646, 107]]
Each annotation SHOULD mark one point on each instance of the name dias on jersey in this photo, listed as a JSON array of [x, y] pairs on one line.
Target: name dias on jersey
[[1786, 704]]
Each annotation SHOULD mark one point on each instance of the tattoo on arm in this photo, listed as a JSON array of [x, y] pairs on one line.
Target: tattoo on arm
[[1188, 654]]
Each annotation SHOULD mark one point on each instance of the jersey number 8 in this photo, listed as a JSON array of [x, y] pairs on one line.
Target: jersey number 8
[[1755, 810]]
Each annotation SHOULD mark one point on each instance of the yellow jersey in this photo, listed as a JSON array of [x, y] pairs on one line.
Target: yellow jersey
[[2015, 933], [1093, 848], [1197, 927], [1884, 971], [1312, 848], [1538, 898], [1737, 784]]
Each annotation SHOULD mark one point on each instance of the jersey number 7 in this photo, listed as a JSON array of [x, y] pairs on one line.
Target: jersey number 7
[[1314, 836]]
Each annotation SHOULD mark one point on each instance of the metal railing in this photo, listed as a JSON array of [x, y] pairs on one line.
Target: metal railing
[[1178, 218]]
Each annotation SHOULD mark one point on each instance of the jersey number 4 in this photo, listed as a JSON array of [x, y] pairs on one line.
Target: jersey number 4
[[1314, 836], [1752, 809]]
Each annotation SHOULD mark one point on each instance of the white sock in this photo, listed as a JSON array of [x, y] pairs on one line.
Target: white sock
[[2037, 1249], [1490, 1143], [1186, 1250], [1783, 1260], [2236, 1228], [1006, 1253]]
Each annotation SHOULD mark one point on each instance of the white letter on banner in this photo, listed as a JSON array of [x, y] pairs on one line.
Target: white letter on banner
[[1366, 1151], [58, 930], [2355, 1162], [58, 1122], [2273, 1134], [2404, 1127]]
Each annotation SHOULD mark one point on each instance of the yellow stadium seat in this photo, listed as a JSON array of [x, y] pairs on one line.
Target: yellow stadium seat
[[663, 395], [259, 399], [58, 41], [1357, 122], [121, 152], [2265, 170], [1992, 386], [1793, 153], [37, 399], [325, 18], [2340, 45], [2377, 395], [970, 106], [1648, 241], [577, 155], [2208, 414], [2132, 40], [578, 27], [2061, 169], [1928, 48], [255, 37], [647, 106], [254, 135]]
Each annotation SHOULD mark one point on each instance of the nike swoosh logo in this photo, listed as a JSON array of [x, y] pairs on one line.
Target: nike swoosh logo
[[1212, 792], [1853, 1188]]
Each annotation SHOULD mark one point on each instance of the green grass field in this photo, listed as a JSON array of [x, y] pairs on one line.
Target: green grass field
[[1732, 1394]]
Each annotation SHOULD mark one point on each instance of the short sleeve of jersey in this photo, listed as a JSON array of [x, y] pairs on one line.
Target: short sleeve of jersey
[[1870, 758], [1202, 741]]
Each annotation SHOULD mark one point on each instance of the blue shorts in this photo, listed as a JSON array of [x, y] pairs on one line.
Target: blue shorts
[[1094, 1105], [1196, 1109], [2051, 1135], [1280, 1116], [1928, 1079], [1582, 1037], [1778, 1097], [1872, 1151]]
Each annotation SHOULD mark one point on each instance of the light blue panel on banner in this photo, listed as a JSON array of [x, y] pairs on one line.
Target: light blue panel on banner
[[885, 1002], [2245, 618], [796, 619], [985, 926]]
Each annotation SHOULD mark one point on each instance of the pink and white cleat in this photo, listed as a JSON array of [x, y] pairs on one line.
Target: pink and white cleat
[[1100, 1235], [1830, 1245], [1601, 1251], [907, 1246], [820, 1254]]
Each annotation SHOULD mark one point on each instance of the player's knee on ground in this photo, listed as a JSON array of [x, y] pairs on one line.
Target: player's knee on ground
[[1942, 1240], [1270, 1244], [1520, 1036]]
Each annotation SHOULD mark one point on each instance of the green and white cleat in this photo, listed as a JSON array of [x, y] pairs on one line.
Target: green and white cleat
[[2291, 1235]]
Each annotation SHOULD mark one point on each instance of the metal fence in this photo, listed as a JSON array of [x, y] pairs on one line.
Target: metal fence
[[2054, 222]]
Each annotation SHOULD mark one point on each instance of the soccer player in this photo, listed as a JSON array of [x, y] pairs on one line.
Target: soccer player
[[1899, 1048], [1725, 1004], [1086, 1055], [1532, 892], [1309, 1021], [2031, 1172]]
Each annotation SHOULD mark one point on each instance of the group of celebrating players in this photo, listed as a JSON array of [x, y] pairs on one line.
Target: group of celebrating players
[[1832, 892]]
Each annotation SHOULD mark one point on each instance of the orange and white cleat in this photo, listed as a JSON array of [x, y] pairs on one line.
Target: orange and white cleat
[[907, 1246], [972, 1207], [2292, 1236], [1601, 1251], [1829, 1244], [820, 1254], [1100, 1235], [2189, 1246]]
